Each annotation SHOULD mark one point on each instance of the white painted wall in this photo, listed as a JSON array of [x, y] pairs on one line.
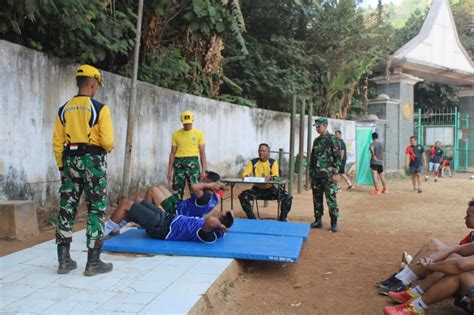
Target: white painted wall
[[33, 86]]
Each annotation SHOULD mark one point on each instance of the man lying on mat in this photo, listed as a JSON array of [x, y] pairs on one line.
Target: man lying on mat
[[167, 226]]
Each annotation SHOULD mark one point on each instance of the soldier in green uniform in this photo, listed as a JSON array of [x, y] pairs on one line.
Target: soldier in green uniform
[[83, 135], [324, 167], [187, 147]]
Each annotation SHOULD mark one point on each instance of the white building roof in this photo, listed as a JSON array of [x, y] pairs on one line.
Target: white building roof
[[436, 53]]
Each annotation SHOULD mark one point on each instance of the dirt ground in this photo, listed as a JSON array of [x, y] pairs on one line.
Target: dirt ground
[[337, 272]]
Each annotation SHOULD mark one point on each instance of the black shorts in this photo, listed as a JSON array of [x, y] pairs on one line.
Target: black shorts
[[377, 167], [155, 221], [342, 168]]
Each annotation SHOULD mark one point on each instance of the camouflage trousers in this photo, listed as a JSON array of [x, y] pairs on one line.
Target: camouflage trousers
[[247, 196], [83, 173], [328, 188], [185, 169]]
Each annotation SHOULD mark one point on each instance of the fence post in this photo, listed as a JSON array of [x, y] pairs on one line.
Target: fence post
[[310, 145], [456, 139], [420, 141], [301, 148], [292, 147], [280, 159], [466, 161]]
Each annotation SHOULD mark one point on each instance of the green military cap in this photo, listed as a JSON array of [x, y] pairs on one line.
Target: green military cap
[[321, 121]]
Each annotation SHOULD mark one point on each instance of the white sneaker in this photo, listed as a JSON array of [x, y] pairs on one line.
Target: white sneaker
[[426, 178]]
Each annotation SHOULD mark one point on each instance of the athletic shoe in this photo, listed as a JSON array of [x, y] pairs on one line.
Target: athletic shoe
[[375, 192], [386, 282], [395, 285], [415, 189], [385, 191], [426, 178], [402, 309], [404, 296], [228, 219]]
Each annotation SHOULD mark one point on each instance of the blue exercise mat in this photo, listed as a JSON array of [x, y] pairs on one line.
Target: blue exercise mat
[[232, 245], [266, 227]]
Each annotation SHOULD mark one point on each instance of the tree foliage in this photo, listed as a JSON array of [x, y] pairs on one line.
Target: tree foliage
[[255, 53]]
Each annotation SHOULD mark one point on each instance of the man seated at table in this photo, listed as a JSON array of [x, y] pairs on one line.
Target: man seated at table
[[263, 166]]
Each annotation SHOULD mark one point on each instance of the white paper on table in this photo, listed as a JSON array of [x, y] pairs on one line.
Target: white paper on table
[[254, 179]]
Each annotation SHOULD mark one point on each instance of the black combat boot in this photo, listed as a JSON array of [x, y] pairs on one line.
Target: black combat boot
[[283, 216], [317, 224], [334, 227], [66, 264], [250, 214], [94, 265]]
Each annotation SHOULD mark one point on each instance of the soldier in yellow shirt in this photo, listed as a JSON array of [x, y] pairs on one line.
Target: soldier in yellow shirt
[[83, 135], [188, 145], [264, 166]]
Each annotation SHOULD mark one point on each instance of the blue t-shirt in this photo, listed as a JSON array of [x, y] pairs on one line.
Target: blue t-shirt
[[191, 207], [184, 228]]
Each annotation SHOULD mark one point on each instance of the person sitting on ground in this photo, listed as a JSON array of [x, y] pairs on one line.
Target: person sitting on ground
[[401, 281], [457, 281], [342, 168], [263, 166], [446, 166], [376, 164], [436, 156], [163, 225]]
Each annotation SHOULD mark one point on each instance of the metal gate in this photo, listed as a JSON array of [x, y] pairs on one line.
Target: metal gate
[[452, 129]]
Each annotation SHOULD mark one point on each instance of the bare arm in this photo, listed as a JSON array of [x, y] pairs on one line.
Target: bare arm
[[453, 266], [463, 250], [198, 188], [202, 155], [372, 151], [171, 163]]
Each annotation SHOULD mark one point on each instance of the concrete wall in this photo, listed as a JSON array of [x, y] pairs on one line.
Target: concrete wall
[[34, 86]]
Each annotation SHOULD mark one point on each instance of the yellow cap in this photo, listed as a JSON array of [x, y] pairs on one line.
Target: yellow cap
[[90, 72], [187, 118]]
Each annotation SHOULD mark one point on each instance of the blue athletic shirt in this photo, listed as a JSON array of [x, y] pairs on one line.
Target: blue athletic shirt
[[184, 228], [191, 208]]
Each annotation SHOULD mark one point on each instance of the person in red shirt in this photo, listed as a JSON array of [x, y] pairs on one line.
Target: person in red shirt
[[414, 162]]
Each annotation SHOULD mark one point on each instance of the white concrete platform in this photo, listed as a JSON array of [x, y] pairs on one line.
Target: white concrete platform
[[155, 284]]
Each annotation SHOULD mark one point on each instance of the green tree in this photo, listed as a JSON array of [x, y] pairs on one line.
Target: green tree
[[75, 31]]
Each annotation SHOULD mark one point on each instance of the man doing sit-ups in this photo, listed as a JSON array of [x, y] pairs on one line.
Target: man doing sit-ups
[[173, 227]]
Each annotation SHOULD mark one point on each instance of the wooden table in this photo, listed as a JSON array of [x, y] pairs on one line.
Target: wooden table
[[233, 181]]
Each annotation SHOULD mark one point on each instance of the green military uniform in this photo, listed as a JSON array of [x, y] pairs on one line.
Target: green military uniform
[[185, 169], [83, 135], [324, 164], [186, 166]]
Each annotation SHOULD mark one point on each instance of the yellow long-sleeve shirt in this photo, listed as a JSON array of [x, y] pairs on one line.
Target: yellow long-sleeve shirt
[[82, 120], [261, 169]]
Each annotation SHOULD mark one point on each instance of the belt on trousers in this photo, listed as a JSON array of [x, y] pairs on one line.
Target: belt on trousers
[[186, 158], [78, 149]]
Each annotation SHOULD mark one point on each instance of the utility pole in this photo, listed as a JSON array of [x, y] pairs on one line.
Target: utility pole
[[131, 107]]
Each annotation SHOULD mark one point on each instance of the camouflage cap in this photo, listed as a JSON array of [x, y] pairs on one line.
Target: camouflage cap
[[321, 121]]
